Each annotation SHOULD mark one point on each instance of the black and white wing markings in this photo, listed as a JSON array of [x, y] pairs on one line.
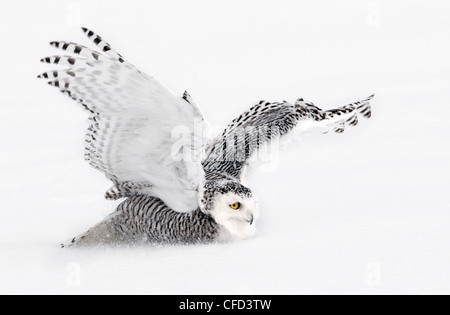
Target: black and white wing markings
[[335, 119], [188, 98], [124, 190], [132, 117], [230, 152], [103, 45], [265, 122]]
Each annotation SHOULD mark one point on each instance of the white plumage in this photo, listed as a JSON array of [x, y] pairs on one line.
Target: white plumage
[[179, 186], [132, 120]]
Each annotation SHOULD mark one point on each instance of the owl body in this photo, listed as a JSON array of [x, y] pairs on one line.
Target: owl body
[[176, 184], [146, 219], [143, 218]]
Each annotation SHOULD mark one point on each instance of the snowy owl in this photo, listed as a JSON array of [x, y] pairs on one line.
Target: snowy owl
[[177, 184]]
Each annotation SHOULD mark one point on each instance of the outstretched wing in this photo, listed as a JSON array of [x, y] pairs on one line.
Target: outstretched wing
[[141, 135], [266, 123]]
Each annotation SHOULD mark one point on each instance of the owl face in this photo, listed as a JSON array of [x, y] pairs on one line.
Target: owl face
[[233, 206]]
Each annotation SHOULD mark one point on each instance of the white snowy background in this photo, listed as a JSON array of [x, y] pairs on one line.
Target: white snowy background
[[364, 212]]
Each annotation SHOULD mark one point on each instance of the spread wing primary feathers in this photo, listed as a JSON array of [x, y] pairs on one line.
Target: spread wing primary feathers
[[132, 117], [266, 122]]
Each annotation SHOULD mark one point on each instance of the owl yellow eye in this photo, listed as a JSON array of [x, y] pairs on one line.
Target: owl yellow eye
[[235, 206]]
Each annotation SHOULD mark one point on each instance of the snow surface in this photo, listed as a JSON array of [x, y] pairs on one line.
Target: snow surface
[[364, 212]]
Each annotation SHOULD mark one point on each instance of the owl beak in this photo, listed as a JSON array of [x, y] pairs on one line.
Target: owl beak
[[251, 219]]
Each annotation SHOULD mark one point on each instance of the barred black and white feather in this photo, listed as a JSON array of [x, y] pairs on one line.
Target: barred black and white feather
[[144, 218]]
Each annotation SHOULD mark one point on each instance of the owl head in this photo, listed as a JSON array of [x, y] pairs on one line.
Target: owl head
[[232, 205]]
